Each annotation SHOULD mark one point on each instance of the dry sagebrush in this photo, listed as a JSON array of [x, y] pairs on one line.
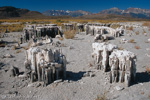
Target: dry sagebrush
[[69, 34]]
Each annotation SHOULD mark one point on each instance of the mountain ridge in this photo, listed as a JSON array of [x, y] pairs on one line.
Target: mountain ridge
[[12, 12]]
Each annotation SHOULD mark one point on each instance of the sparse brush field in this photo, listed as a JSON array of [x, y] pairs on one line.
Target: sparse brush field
[[115, 26], [12, 28]]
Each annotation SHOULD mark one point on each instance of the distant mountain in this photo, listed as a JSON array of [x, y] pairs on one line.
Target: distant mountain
[[112, 13], [129, 12], [12, 12], [65, 13]]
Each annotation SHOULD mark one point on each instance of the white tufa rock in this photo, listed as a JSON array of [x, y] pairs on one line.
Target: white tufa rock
[[123, 40], [119, 88], [45, 65], [101, 52], [123, 68]]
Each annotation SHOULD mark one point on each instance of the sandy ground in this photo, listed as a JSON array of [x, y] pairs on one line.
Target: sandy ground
[[76, 86]]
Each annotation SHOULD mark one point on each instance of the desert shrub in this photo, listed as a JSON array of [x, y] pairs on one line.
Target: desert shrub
[[59, 21], [90, 65], [147, 69], [33, 22], [25, 48], [60, 38], [101, 97], [146, 24], [18, 51], [137, 33], [136, 47], [144, 31], [84, 21], [69, 34], [120, 48], [115, 26], [131, 41], [14, 47], [130, 28]]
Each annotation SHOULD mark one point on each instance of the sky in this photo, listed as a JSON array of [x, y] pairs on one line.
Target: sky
[[93, 6]]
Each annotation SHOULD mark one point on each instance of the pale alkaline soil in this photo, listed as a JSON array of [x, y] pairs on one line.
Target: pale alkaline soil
[[76, 87]]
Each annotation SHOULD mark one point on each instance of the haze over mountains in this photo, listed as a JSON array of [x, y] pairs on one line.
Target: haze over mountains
[[11, 12]]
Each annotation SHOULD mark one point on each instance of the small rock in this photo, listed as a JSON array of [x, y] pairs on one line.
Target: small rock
[[58, 81], [92, 74], [81, 82], [13, 86], [7, 56], [141, 83], [70, 81], [87, 74], [119, 88], [14, 71], [38, 85], [22, 76], [147, 49], [70, 47], [13, 92], [66, 81], [149, 40], [30, 85]]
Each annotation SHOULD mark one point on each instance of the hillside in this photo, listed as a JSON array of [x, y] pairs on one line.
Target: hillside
[[12, 12]]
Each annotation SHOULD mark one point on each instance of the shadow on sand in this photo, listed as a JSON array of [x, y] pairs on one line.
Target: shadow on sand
[[142, 77], [74, 76]]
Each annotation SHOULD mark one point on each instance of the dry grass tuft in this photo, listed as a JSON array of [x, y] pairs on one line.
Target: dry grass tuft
[[60, 38], [29, 44], [146, 24], [90, 65], [14, 47], [131, 41], [25, 48], [130, 28], [101, 97], [18, 51], [136, 47], [120, 48], [69, 34], [62, 45], [137, 33], [147, 69]]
